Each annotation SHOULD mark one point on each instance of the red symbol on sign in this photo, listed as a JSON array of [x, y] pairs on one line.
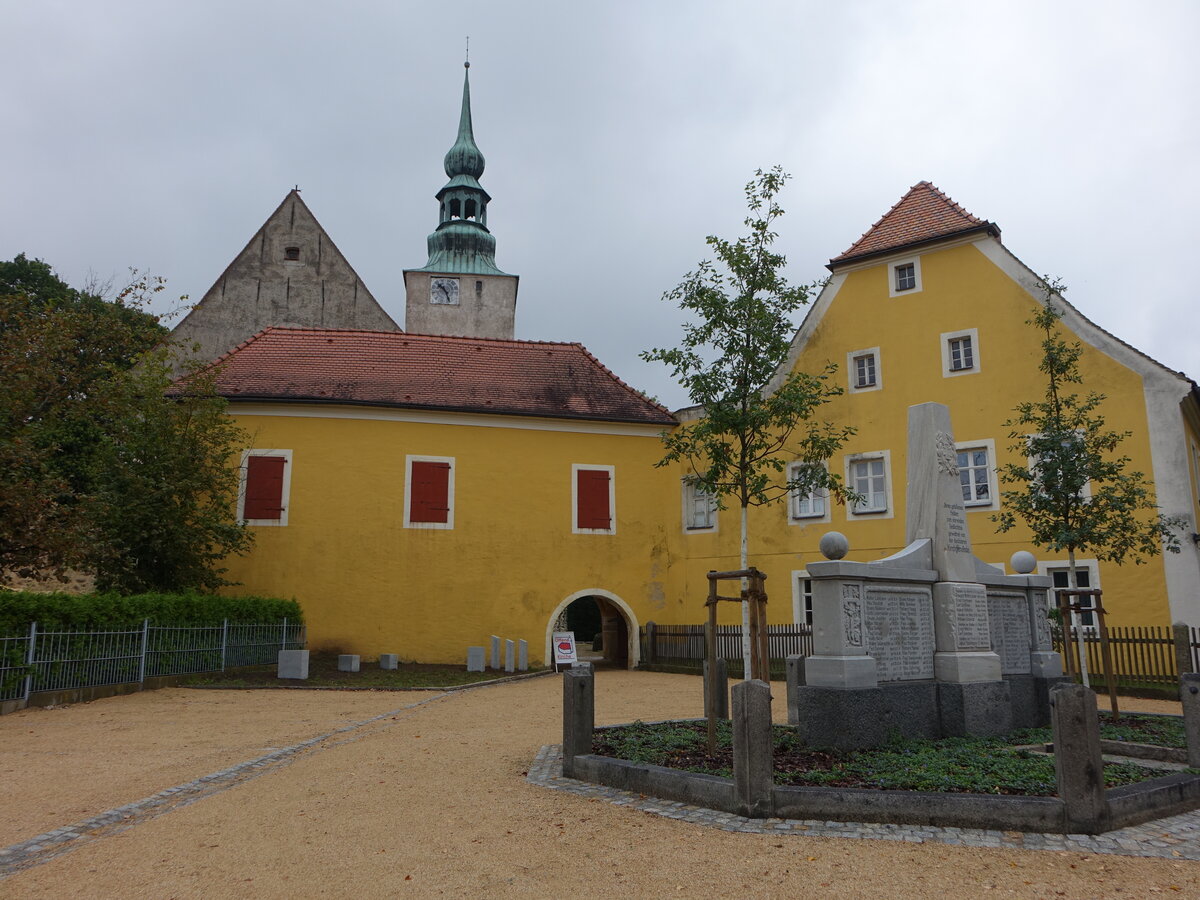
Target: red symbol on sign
[[564, 645]]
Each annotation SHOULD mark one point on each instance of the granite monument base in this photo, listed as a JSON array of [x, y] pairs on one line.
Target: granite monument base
[[867, 717], [974, 708]]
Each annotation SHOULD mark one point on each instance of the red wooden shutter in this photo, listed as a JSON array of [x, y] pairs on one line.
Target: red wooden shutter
[[264, 487], [429, 492], [591, 496]]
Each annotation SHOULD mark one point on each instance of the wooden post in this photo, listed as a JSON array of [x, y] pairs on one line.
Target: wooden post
[[764, 650], [710, 675], [1110, 677], [1064, 619]]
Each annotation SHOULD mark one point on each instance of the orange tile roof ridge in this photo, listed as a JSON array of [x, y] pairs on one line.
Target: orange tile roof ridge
[[924, 214], [446, 372]]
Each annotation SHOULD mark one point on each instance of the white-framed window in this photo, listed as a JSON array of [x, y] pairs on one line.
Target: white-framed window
[[699, 509], [429, 492], [593, 499], [863, 370], [265, 486], [867, 475], [802, 608], [904, 276], [1087, 575], [1034, 464], [977, 473], [807, 505], [960, 352]]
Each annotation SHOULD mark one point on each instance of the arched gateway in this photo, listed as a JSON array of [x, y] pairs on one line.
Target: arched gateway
[[618, 625]]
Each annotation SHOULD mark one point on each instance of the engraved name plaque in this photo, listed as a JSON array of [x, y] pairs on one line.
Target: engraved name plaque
[[1008, 619], [970, 622], [900, 633]]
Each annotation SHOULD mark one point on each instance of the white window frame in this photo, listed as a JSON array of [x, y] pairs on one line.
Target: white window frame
[[971, 334], [886, 455], [796, 518], [801, 611], [448, 525], [988, 445], [915, 262], [1091, 565], [689, 494], [612, 499], [1031, 462], [284, 497], [852, 370]]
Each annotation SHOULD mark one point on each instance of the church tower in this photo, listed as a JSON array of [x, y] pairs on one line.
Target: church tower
[[460, 291]]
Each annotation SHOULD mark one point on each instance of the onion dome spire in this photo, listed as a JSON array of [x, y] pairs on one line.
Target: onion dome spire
[[462, 242]]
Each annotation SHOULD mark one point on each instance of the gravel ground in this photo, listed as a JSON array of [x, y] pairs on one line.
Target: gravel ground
[[431, 800]]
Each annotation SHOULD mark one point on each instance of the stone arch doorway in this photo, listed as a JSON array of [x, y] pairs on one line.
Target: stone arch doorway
[[610, 614]]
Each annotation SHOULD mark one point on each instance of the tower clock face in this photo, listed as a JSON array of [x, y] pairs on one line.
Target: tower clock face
[[443, 291]]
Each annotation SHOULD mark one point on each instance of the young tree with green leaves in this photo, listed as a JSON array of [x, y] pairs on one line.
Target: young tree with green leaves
[[740, 446], [1071, 488], [99, 468]]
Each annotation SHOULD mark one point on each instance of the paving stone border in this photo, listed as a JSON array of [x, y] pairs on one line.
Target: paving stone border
[[1176, 837]]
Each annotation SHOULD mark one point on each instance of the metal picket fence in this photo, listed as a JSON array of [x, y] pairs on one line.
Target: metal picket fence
[[63, 660]]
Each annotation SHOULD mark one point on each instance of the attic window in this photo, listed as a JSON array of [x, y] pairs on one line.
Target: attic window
[[479, 289], [906, 277], [291, 253]]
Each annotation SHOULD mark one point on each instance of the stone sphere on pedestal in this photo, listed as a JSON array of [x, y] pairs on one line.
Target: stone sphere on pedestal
[[1023, 562], [834, 545]]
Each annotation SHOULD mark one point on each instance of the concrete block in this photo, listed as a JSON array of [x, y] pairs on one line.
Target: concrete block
[[1189, 695], [389, 661], [522, 656], [753, 751], [845, 672], [716, 689], [579, 715], [1078, 765], [348, 662], [1181, 636], [293, 664], [510, 656], [495, 660], [966, 666], [476, 659]]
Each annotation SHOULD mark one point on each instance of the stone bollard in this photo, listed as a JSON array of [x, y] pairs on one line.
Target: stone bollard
[[579, 714], [495, 652], [795, 681], [293, 664], [717, 685], [1182, 638], [1189, 694], [522, 656], [510, 653], [348, 662], [1078, 766], [753, 753], [389, 661], [475, 659]]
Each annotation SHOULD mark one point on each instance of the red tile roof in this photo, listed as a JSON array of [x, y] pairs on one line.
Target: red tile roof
[[418, 371], [923, 214]]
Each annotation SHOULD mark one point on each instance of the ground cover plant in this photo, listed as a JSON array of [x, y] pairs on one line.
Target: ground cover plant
[[323, 672], [1162, 731], [952, 765]]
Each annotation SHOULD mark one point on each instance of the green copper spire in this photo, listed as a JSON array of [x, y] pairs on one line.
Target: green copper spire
[[462, 242]]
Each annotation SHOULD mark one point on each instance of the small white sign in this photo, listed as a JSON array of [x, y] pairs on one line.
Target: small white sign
[[564, 648]]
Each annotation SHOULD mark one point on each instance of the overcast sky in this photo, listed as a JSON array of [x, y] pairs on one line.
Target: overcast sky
[[617, 135]]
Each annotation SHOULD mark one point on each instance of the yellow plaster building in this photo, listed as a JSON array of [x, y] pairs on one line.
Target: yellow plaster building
[[929, 305]]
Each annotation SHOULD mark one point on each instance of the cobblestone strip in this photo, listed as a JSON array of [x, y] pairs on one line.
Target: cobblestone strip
[[53, 843], [1176, 837]]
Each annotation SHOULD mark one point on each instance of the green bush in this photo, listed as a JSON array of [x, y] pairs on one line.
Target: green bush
[[109, 611]]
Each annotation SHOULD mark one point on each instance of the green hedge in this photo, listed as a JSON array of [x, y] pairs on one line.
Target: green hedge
[[103, 612]]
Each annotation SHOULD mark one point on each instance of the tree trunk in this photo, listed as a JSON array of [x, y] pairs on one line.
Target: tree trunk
[[1077, 619], [746, 675]]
